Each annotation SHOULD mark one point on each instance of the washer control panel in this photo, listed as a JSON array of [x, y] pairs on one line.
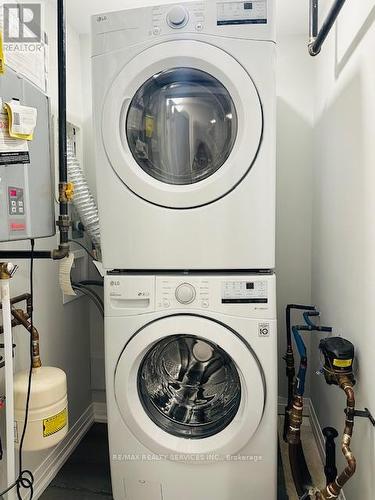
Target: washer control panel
[[233, 295], [236, 13], [244, 292], [192, 292]]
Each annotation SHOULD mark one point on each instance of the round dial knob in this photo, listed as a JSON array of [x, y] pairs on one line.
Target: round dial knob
[[185, 293], [177, 17]]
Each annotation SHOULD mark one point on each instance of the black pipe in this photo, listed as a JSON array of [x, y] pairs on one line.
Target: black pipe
[[330, 469], [18, 299], [314, 19], [61, 52], [6, 255], [289, 361], [316, 44]]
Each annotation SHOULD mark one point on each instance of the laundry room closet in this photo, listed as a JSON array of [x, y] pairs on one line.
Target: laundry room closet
[[205, 306]]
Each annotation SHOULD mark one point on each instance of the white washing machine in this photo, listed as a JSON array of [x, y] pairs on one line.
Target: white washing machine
[[184, 104], [191, 369]]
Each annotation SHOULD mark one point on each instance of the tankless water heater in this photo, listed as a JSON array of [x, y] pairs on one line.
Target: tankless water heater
[[26, 187]]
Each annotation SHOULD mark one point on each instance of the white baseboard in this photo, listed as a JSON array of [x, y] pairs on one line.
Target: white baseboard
[[100, 412], [48, 469]]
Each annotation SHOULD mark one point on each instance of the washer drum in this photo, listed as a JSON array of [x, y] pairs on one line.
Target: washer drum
[[48, 408]]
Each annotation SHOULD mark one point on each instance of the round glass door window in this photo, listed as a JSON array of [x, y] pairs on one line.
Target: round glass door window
[[181, 126], [189, 387]]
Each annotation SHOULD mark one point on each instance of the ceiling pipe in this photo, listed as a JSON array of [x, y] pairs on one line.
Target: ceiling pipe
[[318, 37]]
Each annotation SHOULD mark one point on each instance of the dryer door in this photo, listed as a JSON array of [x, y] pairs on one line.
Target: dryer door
[[182, 124], [187, 384]]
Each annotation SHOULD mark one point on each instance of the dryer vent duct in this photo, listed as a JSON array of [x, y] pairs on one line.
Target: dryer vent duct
[[83, 199]]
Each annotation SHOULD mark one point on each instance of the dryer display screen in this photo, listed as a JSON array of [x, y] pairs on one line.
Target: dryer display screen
[[244, 292], [254, 12]]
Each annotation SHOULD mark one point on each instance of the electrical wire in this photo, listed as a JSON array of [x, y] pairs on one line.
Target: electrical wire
[[84, 248], [25, 478]]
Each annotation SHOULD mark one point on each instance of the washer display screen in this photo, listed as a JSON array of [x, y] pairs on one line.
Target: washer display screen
[[181, 126], [189, 387]]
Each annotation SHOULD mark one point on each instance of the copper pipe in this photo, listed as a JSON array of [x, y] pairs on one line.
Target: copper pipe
[[23, 320], [333, 489], [295, 421]]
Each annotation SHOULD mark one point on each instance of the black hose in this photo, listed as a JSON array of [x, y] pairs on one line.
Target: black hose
[[91, 283], [92, 295]]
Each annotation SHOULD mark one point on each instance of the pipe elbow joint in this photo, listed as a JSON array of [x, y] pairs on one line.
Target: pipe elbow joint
[[61, 252], [311, 49]]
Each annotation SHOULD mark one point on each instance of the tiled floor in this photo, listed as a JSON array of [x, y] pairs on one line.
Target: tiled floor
[[312, 458], [86, 475]]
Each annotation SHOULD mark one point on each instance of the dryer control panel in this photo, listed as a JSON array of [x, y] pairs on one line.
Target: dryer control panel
[[253, 295], [248, 20]]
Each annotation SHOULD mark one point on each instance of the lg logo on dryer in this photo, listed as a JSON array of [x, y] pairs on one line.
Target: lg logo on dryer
[[264, 330]]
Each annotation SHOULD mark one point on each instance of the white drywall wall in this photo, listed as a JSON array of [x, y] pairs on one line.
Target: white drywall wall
[[294, 175], [343, 250], [65, 340]]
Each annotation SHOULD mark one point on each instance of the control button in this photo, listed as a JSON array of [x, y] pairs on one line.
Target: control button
[[14, 203], [166, 303], [205, 303], [185, 293], [177, 17], [156, 30], [199, 27]]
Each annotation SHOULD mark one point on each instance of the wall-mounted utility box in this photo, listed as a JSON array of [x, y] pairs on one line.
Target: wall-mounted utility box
[[26, 184]]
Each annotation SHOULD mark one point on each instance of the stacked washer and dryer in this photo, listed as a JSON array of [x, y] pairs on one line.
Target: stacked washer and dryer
[[184, 100]]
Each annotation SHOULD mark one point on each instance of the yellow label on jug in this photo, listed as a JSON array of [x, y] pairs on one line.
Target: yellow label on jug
[[342, 363], [54, 424]]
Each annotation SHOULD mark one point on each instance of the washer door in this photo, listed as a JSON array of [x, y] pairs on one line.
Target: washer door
[[189, 385], [182, 124]]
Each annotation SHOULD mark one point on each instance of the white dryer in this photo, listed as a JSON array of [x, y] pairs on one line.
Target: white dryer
[[184, 103], [191, 370]]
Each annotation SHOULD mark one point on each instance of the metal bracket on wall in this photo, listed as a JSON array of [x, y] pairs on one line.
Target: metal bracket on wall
[[364, 414], [318, 37]]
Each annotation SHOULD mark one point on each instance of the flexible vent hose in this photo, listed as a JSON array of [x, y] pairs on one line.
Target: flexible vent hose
[[83, 199]]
